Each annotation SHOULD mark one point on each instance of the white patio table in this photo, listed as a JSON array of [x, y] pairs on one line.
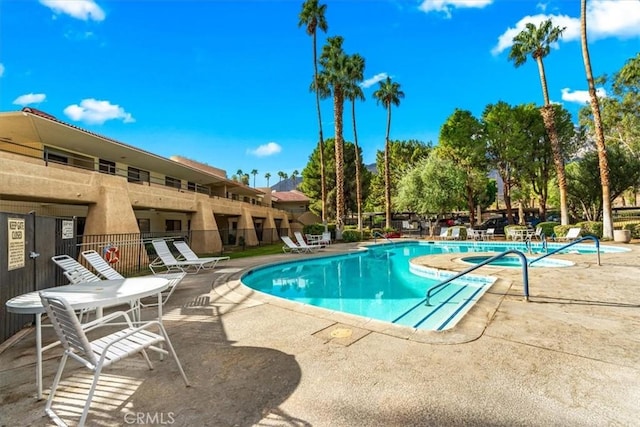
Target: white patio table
[[105, 293]]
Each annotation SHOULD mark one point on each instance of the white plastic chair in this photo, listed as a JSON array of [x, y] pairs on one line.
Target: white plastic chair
[[572, 234], [290, 246], [326, 238], [103, 267], [167, 261], [101, 352], [303, 244], [188, 254], [73, 270], [444, 232]]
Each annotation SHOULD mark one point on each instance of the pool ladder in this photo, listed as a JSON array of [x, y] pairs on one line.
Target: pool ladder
[[376, 233]]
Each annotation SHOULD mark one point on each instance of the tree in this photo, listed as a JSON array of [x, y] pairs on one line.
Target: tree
[[294, 176], [537, 41], [254, 172], [434, 185], [334, 77], [354, 92], [267, 176], [462, 140], [281, 176], [607, 219], [388, 94], [310, 186], [402, 156], [312, 17]]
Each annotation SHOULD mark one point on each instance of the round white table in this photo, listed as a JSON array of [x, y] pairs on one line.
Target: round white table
[[105, 293]]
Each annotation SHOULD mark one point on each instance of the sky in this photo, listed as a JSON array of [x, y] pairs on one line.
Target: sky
[[226, 82]]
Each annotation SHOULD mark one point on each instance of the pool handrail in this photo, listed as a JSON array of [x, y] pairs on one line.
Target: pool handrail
[[377, 233], [525, 273], [555, 251]]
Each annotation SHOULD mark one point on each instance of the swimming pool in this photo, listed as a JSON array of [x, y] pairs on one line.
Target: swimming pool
[[379, 283], [514, 261]]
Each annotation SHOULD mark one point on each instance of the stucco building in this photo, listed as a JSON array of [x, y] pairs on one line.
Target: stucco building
[[54, 168]]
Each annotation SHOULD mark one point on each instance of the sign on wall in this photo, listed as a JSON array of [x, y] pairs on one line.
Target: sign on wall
[[67, 229], [16, 252]]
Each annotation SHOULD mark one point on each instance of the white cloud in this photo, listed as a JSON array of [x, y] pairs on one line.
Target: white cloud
[[581, 96], [1, 70], [29, 98], [92, 111], [79, 9], [267, 149], [373, 80], [446, 6], [605, 18]]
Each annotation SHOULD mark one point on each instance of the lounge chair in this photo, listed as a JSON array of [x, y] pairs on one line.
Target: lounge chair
[[303, 244], [188, 254], [572, 234], [290, 246], [73, 270], [108, 272], [455, 233], [326, 238], [167, 261], [444, 232], [490, 234], [102, 351]]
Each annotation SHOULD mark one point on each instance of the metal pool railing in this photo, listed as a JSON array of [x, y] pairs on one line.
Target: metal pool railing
[[383, 236], [555, 251]]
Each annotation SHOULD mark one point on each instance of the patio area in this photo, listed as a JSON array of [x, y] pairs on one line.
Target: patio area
[[570, 356]]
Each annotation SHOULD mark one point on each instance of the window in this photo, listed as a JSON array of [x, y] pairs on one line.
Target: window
[[172, 182], [173, 225], [107, 166], [144, 224], [56, 158], [192, 186], [137, 175]]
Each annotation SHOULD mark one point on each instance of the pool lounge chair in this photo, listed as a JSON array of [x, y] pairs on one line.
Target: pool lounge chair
[[304, 245], [444, 232], [188, 254], [167, 261], [291, 247], [73, 270], [572, 234], [108, 272]]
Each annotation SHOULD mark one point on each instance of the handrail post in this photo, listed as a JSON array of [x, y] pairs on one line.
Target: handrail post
[[561, 248]]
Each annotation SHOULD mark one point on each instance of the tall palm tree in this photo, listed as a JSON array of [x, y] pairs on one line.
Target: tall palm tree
[[267, 176], [281, 175], [354, 92], [603, 162], [294, 175], [537, 41], [388, 94], [335, 74], [254, 172], [312, 17]]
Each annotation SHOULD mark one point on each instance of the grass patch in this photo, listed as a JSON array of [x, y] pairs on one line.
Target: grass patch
[[255, 251]]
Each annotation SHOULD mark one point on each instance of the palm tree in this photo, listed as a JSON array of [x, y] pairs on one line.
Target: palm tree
[[603, 162], [239, 174], [388, 94], [312, 16], [267, 176], [294, 175], [354, 92], [335, 77], [254, 172], [537, 41], [281, 175]]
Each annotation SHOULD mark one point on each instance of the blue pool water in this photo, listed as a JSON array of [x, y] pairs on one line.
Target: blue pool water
[[378, 282], [515, 261]]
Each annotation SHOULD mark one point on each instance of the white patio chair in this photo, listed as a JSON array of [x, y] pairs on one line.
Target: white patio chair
[[167, 261], [490, 234], [303, 244], [73, 270], [103, 267], [187, 253], [326, 238], [290, 246], [572, 234], [455, 233], [101, 352], [444, 233]]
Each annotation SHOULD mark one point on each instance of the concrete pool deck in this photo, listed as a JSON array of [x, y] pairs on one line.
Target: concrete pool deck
[[569, 356]]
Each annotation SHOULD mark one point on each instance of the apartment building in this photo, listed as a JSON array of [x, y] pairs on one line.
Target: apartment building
[[57, 169]]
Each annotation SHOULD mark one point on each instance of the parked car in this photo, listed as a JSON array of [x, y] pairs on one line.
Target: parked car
[[497, 224]]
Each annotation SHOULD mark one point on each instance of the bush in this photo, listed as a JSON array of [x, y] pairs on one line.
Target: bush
[[351, 236], [547, 227], [590, 228]]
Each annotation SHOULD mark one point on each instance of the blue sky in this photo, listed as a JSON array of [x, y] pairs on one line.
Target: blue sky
[[226, 82]]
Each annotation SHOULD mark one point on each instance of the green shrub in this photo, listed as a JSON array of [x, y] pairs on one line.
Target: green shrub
[[590, 228], [351, 236], [547, 227], [561, 230]]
